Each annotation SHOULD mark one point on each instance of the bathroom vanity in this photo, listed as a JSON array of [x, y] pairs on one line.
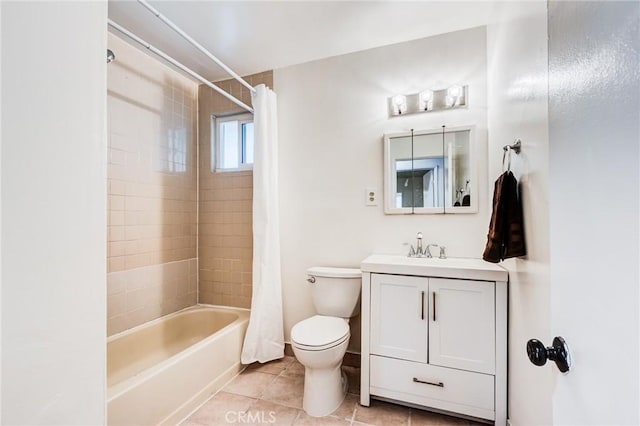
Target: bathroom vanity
[[434, 334]]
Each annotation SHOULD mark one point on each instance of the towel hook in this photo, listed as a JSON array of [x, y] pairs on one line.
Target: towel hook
[[516, 146], [504, 156]]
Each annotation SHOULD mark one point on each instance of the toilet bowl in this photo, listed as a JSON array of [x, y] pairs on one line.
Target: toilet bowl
[[320, 342]]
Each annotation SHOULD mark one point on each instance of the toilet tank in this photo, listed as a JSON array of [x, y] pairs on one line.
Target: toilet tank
[[335, 291]]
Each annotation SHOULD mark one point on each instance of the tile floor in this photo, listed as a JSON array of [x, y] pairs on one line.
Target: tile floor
[[271, 394]]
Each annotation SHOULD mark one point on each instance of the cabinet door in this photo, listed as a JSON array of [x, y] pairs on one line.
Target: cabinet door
[[462, 324], [399, 316]]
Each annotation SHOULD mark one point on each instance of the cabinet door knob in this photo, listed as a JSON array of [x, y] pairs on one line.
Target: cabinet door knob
[[559, 353]]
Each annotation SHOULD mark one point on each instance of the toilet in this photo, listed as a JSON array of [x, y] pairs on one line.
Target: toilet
[[320, 342]]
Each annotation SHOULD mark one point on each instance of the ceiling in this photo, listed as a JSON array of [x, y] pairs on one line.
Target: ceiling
[[251, 37]]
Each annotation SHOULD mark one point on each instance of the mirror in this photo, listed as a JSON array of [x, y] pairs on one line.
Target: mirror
[[430, 171]]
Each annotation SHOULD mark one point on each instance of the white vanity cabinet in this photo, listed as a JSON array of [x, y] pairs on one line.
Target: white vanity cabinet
[[398, 327], [462, 324], [434, 334]]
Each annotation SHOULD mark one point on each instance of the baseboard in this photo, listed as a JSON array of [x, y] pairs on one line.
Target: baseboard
[[288, 350], [352, 359]]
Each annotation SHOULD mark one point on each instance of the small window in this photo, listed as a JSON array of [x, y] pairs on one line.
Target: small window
[[232, 143]]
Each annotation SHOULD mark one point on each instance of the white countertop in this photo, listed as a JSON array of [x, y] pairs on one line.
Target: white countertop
[[460, 268]]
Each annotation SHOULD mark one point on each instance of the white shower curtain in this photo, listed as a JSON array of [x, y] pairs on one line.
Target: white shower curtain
[[264, 340]]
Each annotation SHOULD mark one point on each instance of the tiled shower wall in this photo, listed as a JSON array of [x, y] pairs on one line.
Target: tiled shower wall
[[225, 243], [152, 189]]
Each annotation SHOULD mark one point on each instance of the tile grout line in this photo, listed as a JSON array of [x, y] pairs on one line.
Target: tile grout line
[[259, 397], [211, 397], [353, 415], [280, 374], [297, 417]]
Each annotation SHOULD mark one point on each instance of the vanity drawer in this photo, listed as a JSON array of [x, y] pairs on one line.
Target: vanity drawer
[[445, 388]]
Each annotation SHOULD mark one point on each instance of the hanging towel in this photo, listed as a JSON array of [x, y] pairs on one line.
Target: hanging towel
[[506, 229]]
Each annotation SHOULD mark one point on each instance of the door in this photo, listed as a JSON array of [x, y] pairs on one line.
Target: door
[[399, 316], [594, 210], [462, 324]]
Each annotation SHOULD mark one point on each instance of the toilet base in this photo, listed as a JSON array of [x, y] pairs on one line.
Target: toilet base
[[324, 390]]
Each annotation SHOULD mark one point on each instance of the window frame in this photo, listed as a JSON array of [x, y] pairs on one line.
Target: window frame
[[216, 147]]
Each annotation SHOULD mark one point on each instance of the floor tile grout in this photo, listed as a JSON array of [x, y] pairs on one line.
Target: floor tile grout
[[376, 415]]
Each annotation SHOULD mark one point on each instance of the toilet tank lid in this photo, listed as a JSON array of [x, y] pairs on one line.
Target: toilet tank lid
[[329, 272]]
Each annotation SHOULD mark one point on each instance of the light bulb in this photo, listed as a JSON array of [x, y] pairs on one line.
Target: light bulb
[[426, 95], [399, 100], [454, 91], [399, 103], [449, 101], [426, 100]]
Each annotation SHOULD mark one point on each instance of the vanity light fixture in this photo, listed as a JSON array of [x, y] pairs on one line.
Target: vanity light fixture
[[455, 96]]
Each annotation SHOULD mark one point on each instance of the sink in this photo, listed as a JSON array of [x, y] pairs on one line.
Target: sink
[[462, 268]]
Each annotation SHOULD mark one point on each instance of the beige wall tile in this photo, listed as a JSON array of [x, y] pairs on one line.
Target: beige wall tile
[[152, 187], [225, 217], [142, 294], [153, 195]]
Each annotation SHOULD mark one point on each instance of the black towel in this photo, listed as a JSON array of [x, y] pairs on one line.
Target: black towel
[[506, 229]]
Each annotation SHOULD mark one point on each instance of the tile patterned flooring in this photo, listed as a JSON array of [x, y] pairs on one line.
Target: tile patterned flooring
[[271, 394]]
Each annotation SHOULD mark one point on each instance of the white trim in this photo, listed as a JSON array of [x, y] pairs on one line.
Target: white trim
[[1, 357], [365, 340], [242, 118], [389, 170], [502, 320]]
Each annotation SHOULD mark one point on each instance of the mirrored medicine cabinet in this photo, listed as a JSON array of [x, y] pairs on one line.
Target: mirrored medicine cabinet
[[430, 171]]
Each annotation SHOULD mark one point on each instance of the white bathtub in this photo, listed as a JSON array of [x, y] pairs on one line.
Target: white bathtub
[[158, 372]]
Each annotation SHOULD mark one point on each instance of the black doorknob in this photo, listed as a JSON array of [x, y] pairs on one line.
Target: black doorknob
[[559, 353]]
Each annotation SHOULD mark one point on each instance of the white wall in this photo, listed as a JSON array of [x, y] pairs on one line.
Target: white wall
[[518, 95], [594, 134], [54, 212], [332, 116], [1, 215]]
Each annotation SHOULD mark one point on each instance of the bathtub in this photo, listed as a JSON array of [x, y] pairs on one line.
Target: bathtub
[[158, 372]]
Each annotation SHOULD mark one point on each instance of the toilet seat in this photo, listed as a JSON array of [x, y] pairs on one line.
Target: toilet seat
[[319, 333]]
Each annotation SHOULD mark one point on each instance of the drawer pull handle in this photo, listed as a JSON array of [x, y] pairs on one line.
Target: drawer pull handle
[[422, 306], [439, 384]]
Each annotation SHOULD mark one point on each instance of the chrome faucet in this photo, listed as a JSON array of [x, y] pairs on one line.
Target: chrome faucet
[[418, 251], [427, 251]]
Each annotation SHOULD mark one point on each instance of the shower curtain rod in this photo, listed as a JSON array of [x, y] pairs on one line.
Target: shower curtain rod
[[196, 44], [178, 65]]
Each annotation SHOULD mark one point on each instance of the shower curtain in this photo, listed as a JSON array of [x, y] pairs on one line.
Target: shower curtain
[[264, 340]]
